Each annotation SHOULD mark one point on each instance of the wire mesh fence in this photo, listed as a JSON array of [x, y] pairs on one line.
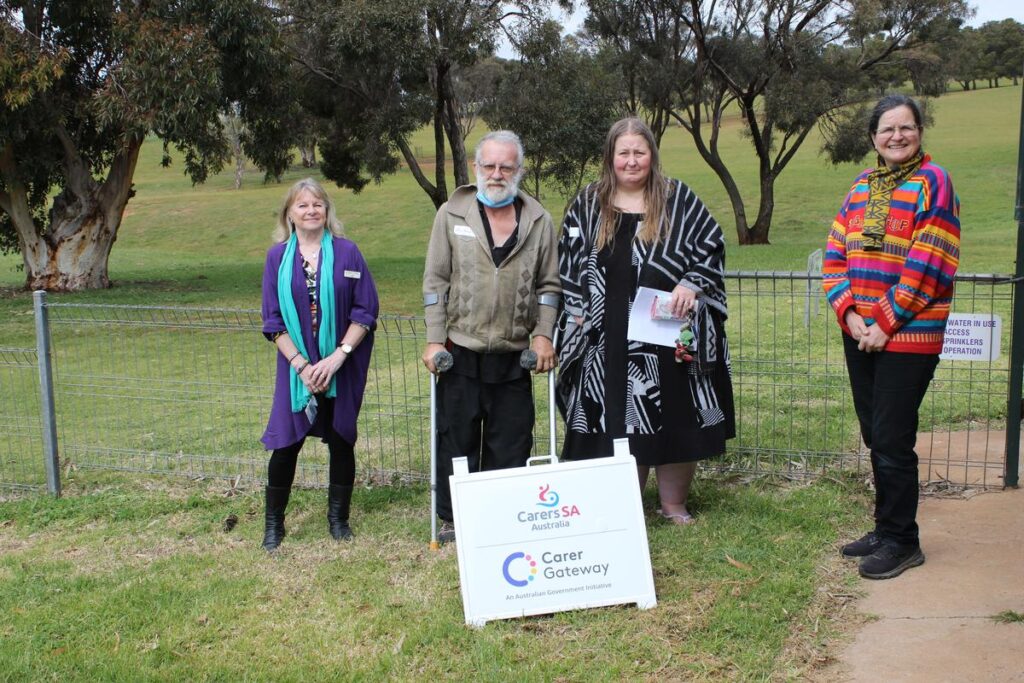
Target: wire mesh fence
[[21, 449], [794, 408], [187, 391]]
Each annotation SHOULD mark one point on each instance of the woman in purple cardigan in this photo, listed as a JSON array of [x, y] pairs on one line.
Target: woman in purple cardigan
[[319, 308]]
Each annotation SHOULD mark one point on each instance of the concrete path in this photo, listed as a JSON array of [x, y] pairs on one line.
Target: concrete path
[[934, 623]]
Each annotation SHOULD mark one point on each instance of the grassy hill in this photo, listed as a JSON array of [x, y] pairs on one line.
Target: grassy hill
[[204, 245]]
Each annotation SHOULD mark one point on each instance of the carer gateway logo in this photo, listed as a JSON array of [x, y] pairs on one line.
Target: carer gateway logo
[[552, 516], [520, 569]]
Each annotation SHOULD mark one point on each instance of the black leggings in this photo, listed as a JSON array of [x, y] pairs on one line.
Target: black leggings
[[342, 470]]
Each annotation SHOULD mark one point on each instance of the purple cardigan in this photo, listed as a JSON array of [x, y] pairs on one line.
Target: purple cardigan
[[356, 301]]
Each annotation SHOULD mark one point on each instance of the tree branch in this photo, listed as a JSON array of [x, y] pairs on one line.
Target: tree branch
[[414, 168]]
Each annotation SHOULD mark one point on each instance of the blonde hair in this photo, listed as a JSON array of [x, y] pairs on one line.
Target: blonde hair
[[283, 230], [655, 192]]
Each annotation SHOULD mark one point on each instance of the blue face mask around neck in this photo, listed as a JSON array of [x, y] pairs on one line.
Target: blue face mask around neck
[[482, 198]]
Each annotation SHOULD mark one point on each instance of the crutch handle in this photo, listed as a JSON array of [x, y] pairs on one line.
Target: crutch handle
[[443, 361], [528, 359]]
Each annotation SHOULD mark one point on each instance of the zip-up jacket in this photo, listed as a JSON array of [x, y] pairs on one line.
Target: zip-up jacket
[[483, 307]]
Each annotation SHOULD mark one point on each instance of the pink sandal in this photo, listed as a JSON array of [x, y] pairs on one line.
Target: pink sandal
[[677, 518]]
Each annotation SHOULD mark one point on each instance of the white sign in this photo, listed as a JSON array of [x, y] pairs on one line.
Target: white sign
[[550, 538], [972, 336]]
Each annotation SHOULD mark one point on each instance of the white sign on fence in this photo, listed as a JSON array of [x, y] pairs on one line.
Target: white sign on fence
[[972, 336], [549, 538]]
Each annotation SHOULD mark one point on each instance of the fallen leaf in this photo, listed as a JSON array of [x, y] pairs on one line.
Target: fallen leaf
[[738, 564]]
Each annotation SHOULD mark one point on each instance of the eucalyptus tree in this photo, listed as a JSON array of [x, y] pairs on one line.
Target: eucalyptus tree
[[783, 65], [377, 72], [561, 99], [1002, 50], [84, 83]]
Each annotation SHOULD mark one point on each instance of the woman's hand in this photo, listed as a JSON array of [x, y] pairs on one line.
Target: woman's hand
[[874, 339], [855, 323], [307, 378], [684, 300], [322, 372]]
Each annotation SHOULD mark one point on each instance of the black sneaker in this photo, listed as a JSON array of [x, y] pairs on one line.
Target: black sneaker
[[446, 534], [863, 546], [891, 560]]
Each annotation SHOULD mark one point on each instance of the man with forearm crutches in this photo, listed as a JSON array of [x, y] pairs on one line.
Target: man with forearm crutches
[[490, 291]]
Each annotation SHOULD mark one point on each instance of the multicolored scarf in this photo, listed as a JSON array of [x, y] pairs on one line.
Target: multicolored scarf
[[881, 183], [328, 334]]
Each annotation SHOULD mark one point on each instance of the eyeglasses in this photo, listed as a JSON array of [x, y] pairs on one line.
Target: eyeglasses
[[506, 171], [889, 131]]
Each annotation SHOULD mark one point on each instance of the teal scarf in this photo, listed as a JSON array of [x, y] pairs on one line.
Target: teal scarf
[[328, 336]]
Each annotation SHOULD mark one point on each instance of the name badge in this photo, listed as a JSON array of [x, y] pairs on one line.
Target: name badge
[[574, 232], [463, 231], [354, 274]]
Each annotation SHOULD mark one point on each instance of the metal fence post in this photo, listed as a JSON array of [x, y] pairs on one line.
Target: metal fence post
[[814, 293], [1010, 476], [48, 416]]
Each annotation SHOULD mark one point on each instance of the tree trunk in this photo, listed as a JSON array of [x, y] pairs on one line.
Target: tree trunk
[[79, 259], [437, 195], [440, 179], [239, 170], [758, 232], [308, 154], [452, 129], [72, 253]]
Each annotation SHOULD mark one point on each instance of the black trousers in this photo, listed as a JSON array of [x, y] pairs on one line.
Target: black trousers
[[887, 392], [342, 458], [490, 424]]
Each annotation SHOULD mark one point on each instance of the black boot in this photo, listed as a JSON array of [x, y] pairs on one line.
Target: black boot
[[339, 499], [273, 530]]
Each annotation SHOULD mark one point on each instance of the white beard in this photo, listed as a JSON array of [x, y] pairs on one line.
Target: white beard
[[498, 194]]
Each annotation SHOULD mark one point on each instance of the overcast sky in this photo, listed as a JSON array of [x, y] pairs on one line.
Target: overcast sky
[[987, 10], [994, 10]]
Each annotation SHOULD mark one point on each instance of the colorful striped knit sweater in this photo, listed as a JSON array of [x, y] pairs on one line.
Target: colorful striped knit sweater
[[907, 286]]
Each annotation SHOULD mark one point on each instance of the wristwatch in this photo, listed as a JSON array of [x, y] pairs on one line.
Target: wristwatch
[[347, 348]]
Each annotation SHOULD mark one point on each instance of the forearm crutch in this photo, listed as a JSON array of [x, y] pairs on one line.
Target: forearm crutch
[[442, 363]]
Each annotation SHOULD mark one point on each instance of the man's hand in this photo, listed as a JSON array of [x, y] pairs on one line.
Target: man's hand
[[546, 359], [855, 322], [428, 356]]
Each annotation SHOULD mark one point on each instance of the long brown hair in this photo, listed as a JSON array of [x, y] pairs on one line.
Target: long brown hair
[[655, 192]]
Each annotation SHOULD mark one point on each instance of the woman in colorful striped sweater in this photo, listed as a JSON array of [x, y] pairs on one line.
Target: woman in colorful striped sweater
[[888, 273]]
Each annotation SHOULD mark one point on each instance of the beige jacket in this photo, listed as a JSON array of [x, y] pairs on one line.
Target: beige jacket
[[477, 305]]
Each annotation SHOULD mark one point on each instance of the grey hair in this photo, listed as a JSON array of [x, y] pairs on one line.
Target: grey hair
[[503, 136]]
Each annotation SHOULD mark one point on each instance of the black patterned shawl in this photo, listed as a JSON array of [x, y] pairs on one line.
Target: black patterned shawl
[[693, 255]]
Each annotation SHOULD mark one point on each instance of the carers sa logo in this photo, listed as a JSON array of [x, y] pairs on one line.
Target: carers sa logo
[[550, 499], [553, 513]]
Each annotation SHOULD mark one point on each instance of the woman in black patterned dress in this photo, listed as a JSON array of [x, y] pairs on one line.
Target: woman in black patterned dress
[[634, 228]]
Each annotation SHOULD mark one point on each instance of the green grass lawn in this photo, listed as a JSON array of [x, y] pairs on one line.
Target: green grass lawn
[[137, 580]]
